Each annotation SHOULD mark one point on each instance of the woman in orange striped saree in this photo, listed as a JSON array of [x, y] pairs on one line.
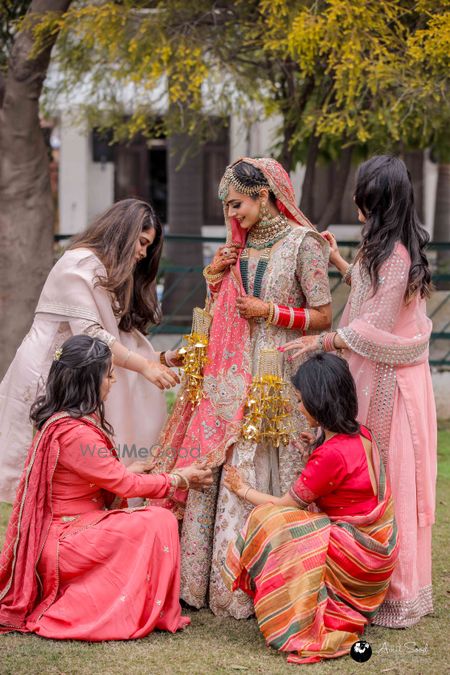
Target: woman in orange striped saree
[[317, 578]]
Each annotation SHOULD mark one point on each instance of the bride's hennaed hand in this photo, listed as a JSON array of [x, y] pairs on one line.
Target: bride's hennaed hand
[[304, 345], [250, 307], [225, 256]]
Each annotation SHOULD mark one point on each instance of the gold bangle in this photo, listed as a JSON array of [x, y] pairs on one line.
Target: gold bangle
[[270, 316], [210, 277], [162, 358], [184, 479], [246, 493]]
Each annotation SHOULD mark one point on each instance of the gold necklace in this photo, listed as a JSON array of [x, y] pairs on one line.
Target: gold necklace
[[267, 232]]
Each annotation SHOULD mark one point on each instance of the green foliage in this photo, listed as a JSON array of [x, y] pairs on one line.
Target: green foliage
[[10, 12], [371, 75]]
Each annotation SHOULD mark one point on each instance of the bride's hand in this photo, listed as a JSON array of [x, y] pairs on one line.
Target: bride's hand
[[160, 375], [304, 345], [225, 256], [250, 307], [335, 255]]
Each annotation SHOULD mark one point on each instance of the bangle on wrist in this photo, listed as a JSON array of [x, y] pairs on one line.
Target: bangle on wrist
[[162, 358], [211, 277], [297, 318], [249, 487], [347, 276], [183, 479], [271, 313], [326, 342]]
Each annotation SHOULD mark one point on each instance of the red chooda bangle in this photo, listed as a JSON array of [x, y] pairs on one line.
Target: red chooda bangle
[[291, 317]]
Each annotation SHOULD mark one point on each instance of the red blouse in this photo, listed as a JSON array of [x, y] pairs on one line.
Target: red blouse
[[336, 478]]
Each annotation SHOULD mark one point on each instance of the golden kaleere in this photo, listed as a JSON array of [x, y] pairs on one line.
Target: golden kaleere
[[268, 407], [194, 356]]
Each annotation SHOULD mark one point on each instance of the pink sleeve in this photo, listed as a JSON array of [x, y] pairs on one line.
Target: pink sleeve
[[83, 451], [324, 471], [372, 333]]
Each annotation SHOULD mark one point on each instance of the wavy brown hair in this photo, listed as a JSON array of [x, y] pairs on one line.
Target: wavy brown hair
[[112, 237]]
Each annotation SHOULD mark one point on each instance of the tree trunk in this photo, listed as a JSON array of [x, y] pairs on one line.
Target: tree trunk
[[286, 151], [442, 222], [183, 290], [27, 209], [332, 208]]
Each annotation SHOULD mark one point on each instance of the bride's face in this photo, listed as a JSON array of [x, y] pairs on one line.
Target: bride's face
[[242, 207]]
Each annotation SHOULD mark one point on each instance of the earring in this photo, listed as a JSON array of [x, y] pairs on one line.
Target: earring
[[264, 214]]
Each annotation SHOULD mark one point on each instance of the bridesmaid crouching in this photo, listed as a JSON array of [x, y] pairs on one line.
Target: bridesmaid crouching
[[70, 568], [317, 578]]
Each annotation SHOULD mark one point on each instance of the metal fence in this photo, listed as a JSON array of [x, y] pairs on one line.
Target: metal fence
[[438, 305]]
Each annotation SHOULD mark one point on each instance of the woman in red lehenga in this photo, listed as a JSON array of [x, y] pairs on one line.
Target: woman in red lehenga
[[61, 568]]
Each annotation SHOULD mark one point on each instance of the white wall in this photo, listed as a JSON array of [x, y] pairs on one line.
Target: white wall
[[85, 188], [430, 177]]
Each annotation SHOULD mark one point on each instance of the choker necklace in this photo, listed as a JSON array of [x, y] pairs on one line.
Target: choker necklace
[[267, 232]]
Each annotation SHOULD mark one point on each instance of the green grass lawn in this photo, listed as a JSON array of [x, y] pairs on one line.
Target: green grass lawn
[[212, 645]]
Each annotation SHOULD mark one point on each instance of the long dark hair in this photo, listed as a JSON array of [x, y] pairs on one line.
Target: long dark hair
[[74, 382], [328, 393], [384, 194], [112, 237]]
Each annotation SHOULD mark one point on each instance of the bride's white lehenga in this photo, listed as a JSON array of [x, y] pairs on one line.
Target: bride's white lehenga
[[71, 304], [297, 276]]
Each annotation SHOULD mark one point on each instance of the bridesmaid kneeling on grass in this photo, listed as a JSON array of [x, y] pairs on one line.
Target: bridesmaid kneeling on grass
[[317, 578], [62, 565]]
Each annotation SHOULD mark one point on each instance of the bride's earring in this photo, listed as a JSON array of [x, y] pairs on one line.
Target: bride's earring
[[264, 214]]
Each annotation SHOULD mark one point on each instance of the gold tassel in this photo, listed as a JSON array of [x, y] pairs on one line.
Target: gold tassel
[[194, 356], [268, 407]]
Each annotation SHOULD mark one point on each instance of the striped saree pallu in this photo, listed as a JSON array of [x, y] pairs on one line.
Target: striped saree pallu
[[315, 582]]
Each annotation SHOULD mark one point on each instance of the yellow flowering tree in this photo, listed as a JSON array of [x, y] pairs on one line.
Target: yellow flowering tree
[[341, 75]]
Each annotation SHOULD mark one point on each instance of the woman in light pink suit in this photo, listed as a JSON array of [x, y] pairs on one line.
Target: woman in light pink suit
[[67, 546], [384, 334], [103, 286]]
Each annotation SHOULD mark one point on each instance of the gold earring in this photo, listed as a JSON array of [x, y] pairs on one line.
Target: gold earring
[[264, 214]]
